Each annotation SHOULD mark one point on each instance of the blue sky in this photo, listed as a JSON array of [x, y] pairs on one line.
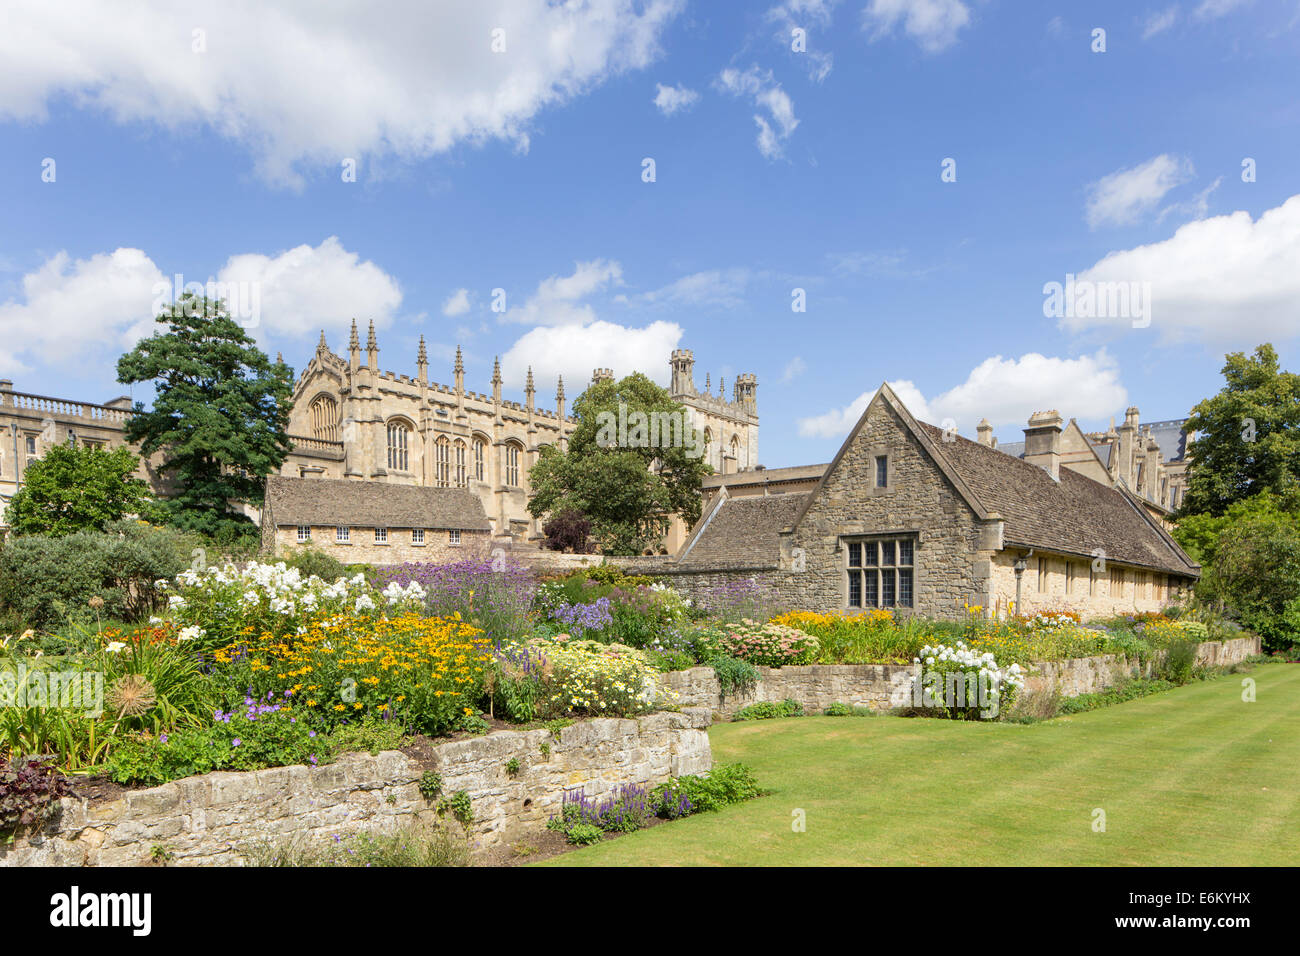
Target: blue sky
[[218, 154]]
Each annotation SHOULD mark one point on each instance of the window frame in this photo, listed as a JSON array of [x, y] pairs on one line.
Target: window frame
[[381, 536], [304, 533], [342, 534], [453, 536], [884, 579], [417, 537]]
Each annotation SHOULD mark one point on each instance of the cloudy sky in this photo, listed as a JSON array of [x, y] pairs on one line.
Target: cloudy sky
[[595, 183]]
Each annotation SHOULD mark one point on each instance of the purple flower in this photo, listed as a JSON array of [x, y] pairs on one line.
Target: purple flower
[[236, 742]]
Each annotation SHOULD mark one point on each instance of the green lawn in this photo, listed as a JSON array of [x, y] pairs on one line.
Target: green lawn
[[1194, 776]]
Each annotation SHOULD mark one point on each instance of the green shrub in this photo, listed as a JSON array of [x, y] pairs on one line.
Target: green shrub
[[251, 738], [768, 710], [1121, 693], [735, 676], [369, 734], [723, 785], [311, 561], [840, 709], [1179, 662], [584, 834], [45, 580]]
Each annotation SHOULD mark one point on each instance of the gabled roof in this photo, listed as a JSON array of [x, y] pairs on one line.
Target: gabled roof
[[740, 533], [1075, 515], [371, 504]]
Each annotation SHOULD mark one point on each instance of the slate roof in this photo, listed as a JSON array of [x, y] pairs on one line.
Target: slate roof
[[1016, 449], [371, 504], [741, 532], [1075, 515], [1171, 437], [759, 476]]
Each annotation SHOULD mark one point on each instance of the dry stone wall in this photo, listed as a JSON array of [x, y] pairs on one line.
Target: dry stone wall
[[209, 819], [883, 686]]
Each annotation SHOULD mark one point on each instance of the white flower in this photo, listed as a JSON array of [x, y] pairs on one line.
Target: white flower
[[364, 603], [191, 633], [115, 647], [175, 601]]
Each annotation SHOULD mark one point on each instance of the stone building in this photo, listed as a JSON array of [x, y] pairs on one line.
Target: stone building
[[353, 421], [31, 424], [914, 518], [372, 522]]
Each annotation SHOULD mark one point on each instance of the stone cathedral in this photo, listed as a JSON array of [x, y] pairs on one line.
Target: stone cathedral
[[353, 421]]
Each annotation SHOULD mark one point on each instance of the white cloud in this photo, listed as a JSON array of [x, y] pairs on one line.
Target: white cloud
[[801, 14], [1213, 9], [95, 308], [1159, 22], [933, 24], [558, 299], [673, 99], [1123, 196], [723, 288], [1004, 390], [73, 310], [574, 350], [793, 369], [775, 128], [1226, 280], [311, 84], [304, 289], [456, 304]]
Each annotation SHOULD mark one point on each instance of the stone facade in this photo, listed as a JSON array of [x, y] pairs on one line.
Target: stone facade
[[920, 520], [351, 420], [206, 820], [401, 546]]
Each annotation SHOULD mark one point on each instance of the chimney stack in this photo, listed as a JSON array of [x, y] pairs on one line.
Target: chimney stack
[[984, 432], [1043, 442]]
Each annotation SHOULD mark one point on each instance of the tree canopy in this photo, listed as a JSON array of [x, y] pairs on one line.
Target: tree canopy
[[218, 418], [634, 460], [73, 489], [1247, 437]]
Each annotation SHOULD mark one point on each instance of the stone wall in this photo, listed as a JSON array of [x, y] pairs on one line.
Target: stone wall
[[362, 548], [883, 686], [205, 820], [816, 686]]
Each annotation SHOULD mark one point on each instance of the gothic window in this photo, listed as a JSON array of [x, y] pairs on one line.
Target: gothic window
[[735, 451], [708, 445], [461, 481], [399, 443], [512, 464], [480, 456], [881, 573], [441, 463], [325, 418]]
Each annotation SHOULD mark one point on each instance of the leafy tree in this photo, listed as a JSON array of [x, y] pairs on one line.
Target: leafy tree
[[634, 460], [78, 489], [218, 418], [1247, 436], [1256, 573], [567, 531]]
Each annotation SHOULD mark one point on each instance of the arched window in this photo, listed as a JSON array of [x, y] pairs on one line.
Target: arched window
[[442, 462], [708, 446], [399, 443], [512, 464], [480, 458], [735, 450], [325, 418], [461, 480]]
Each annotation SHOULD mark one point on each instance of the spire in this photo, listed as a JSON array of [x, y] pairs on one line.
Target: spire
[[422, 367], [423, 356], [460, 362], [279, 358], [708, 385], [321, 346], [371, 344], [529, 390], [496, 380], [722, 388], [559, 389], [353, 343]]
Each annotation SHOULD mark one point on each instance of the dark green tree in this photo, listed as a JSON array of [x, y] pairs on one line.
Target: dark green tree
[[633, 461], [73, 489], [219, 414], [1247, 436]]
